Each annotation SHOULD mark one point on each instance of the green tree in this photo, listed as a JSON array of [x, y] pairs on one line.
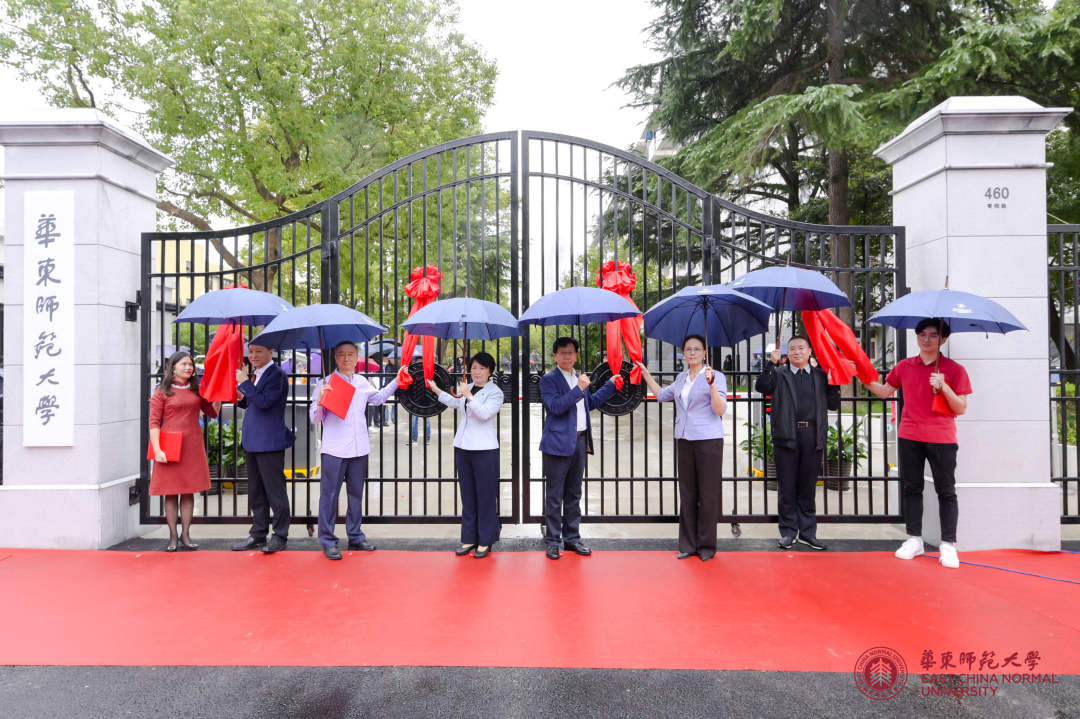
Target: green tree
[[267, 106]]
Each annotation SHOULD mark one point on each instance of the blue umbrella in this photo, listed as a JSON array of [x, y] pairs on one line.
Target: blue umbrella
[[463, 318], [235, 305], [386, 347], [315, 326], [578, 306], [723, 316], [963, 311], [791, 288]]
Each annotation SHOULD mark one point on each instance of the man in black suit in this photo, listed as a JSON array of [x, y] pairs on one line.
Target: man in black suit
[[566, 439], [263, 393], [801, 394]]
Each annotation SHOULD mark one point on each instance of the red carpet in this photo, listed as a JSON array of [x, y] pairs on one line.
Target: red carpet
[[744, 610]]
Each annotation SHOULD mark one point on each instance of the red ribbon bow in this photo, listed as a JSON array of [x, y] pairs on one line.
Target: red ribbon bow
[[424, 287], [223, 358], [839, 352], [619, 277]]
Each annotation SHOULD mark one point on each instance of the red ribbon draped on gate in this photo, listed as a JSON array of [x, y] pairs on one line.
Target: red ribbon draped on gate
[[223, 358], [619, 277], [424, 287], [837, 349]]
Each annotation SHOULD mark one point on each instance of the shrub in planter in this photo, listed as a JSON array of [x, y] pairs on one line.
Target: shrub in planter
[[224, 454], [844, 450], [758, 444]]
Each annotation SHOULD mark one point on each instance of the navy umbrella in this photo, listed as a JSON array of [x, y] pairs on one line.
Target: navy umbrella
[[235, 305], [723, 316], [314, 326], [463, 318], [386, 347], [963, 311], [578, 306], [791, 288]]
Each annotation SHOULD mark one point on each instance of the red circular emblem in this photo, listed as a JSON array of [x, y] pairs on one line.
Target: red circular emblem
[[880, 673]]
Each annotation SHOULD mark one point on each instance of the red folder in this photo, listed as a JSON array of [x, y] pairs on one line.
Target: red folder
[[170, 443], [338, 399]]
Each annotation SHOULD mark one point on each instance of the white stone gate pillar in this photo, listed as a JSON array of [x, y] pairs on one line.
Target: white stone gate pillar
[[969, 184], [79, 191]]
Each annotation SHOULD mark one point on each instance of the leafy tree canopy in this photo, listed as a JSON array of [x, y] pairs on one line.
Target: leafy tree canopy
[[267, 106]]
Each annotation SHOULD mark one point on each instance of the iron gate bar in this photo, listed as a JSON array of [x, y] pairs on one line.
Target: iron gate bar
[[622, 207], [1064, 280]]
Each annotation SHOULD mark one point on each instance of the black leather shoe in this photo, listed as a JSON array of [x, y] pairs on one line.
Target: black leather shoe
[[684, 555], [812, 543], [553, 552], [332, 553], [785, 542], [276, 544], [249, 543], [579, 548], [362, 547], [481, 553], [706, 557], [462, 551]]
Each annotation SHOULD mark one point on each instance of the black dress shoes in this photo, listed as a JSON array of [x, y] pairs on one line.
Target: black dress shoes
[[362, 547], [785, 542], [553, 552], [706, 557], [276, 544], [579, 548], [481, 553], [684, 555], [462, 551], [812, 543], [332, 553], [249, 543]]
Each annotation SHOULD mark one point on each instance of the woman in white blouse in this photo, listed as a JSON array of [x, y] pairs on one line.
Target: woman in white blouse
[[476, 455]]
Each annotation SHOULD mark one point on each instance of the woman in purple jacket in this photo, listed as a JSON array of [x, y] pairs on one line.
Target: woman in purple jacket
[[700, 396]]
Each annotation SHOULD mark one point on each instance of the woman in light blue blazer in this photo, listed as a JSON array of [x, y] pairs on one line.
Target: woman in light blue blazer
[[476, 455], [700, 396]]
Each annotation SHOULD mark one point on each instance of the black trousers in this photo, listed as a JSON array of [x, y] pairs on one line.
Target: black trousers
[[562, 494], [913, 458], [478, 475], [700, 464], [797, 475], [266, 493]]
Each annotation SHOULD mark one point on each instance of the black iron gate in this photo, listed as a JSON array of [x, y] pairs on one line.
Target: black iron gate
[[462, 206], [1064, 325]]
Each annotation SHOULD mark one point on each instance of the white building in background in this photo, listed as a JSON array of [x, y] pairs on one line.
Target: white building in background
[[654, 146]]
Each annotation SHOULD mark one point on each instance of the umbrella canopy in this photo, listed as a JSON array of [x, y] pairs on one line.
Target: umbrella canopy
[[315, 326], [578, 306], [235, 305], [723, 316], [386, 347], [463, 318], [963, 311], [791, 288]]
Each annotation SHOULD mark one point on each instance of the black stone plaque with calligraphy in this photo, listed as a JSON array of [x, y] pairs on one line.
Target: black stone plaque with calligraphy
[[625, 400], [418, 399]]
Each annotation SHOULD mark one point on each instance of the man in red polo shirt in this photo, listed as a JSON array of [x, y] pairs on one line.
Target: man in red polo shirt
[[928, 433]]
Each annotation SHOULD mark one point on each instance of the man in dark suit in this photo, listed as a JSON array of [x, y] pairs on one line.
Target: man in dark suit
[[264, 391], [801, 393], [566, 439]]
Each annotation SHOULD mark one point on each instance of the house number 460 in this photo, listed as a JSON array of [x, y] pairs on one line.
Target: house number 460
[[996, 193]]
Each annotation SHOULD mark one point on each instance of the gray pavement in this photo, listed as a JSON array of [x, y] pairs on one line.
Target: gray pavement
[[477, 693]]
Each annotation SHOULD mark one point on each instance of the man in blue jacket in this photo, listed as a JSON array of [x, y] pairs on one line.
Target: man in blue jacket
[[566, 439], [263, 393]]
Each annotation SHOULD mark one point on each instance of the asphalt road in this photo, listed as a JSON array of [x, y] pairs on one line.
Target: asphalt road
[[445, 692]]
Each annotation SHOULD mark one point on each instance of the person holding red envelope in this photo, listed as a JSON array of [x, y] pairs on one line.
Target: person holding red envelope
[[341, 407], [176, 442], [935, 392]]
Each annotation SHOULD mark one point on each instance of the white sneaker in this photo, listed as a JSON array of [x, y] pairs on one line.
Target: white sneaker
[[910, 549], [947, 556]]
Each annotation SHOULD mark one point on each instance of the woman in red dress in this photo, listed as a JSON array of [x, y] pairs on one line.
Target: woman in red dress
[[175, 407]]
